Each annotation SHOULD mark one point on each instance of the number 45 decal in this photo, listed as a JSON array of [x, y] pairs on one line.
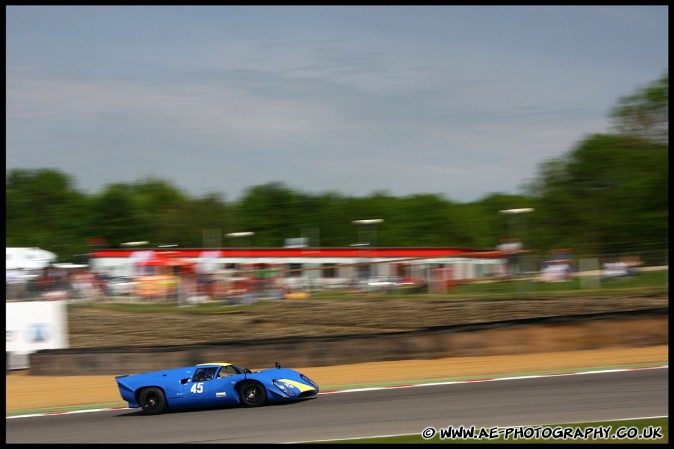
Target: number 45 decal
[[197, 388]]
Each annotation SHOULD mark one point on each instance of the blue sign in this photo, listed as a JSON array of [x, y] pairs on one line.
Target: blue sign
[[37, 332]]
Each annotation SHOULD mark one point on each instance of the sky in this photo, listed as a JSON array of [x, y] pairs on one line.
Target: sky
[[458, 101]]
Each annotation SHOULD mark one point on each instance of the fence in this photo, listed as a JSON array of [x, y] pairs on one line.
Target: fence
[[528, 274]]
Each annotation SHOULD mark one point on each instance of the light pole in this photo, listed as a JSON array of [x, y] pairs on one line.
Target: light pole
[[514, 212], [234, 235], [137, 256], [131, 244], [238, 235], [362, 224]]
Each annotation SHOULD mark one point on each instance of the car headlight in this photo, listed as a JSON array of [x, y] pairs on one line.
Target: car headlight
[[284, 387], [306, 379]]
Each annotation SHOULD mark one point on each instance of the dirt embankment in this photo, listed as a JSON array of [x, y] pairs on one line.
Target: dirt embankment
[[97, 328]]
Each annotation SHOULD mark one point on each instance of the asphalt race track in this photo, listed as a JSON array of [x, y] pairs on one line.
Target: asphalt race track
[[390, 411]]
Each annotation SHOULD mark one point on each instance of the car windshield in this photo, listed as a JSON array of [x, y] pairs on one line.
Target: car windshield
[[203, 374]]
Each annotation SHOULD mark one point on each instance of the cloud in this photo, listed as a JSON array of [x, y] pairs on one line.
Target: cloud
[[462, 100]]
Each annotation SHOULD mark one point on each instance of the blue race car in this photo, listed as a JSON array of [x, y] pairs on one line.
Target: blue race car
[[212, 385]]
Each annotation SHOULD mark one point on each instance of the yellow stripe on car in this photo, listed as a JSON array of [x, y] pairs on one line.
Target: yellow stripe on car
[[302, 387]]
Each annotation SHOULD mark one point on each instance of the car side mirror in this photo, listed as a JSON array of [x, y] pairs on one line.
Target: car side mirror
[[246, 371], [184, 381], [278, 365]]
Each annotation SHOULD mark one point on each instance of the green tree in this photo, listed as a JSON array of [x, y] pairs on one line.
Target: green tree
[[273, 211], [645, 113], [43, 209], [609, 195], [189, 223], [482, 226], [121, 216], [422, 220], [333, 217]]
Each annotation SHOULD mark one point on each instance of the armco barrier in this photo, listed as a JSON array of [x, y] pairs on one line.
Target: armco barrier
[[568, 333]]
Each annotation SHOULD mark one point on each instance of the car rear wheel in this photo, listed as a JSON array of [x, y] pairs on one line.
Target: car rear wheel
[[152, 401], [252, 394]]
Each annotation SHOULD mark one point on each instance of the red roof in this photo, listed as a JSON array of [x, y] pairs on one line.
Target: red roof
[[311, 252]]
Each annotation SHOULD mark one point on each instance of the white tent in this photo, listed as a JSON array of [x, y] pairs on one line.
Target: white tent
[[28, 258]]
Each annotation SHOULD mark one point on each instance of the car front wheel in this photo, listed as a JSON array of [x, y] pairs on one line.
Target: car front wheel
[[252, 394], [152, 401]]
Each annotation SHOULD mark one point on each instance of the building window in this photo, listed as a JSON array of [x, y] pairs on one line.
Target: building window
[[295, 270], [329, 270]]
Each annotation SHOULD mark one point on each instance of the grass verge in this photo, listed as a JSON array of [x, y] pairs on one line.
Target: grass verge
[[630, 431]]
